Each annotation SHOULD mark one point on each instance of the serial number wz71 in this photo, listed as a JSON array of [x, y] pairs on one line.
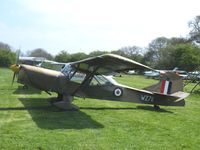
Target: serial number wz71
[[147, 98]]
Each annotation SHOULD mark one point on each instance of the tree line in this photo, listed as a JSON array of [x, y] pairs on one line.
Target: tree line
[[161, 53]]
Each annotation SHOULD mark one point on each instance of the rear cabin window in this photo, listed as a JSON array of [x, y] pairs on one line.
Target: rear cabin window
[[99, 80]]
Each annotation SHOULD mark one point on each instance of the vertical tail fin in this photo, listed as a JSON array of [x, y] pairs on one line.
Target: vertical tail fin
[[170, 83]]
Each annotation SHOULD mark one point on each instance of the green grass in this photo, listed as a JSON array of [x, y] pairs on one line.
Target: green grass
[[28, 121]]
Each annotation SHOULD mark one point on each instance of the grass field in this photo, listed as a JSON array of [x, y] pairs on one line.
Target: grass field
[[29, 122]]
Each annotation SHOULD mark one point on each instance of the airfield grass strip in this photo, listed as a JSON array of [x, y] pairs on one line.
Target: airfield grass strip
[[29, 122]]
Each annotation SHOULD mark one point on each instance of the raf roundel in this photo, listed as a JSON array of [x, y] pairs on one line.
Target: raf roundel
[[118, 92]]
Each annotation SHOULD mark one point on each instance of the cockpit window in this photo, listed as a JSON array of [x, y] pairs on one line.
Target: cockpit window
[[76, 76], [68, 71], [72, 74]]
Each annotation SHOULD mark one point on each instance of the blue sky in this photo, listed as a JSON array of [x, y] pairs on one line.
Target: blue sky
[[85, 26]]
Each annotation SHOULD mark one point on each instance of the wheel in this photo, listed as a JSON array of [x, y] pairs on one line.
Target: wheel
[[156, 107]]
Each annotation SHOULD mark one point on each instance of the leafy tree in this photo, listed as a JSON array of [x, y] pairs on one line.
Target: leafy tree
[[132, 52], [7, 57], [41, 53], [175, 41], [166, 53], [158, 43], [63, 56], [78, 56], [97, 53], [5, 46], [195, 29], [119, 52], [153, 55], [185, 56]]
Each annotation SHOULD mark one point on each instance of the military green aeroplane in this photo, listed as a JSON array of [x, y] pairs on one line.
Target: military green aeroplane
[[88, 78]]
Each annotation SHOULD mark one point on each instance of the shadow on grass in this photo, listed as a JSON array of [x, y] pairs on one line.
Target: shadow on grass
[[29, 90], [22, 108], [107, 108], [50, 118], [149, 108]]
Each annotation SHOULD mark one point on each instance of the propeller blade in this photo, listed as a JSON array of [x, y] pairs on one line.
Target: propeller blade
[[13, 79], [17, 56]]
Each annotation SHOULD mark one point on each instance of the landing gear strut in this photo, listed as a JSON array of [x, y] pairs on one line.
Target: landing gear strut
[[156, 107], [64, 102]]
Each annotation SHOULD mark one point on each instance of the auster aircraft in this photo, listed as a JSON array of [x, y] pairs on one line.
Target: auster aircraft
[[88, 78]]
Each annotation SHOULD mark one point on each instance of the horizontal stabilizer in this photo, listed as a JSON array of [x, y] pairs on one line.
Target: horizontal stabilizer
[[180, 95], [175, 99]]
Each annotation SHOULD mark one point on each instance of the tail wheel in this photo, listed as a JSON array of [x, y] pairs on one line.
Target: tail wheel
[[156, 107]]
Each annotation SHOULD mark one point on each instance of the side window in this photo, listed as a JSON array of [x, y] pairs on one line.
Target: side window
[[94, 82], [78, 77], [99, 80]]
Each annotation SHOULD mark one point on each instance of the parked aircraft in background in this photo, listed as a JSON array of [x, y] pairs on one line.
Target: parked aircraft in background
[[181, 73], [48, 64], [193, 77], [41, 62], [30, 60], [155, 74]]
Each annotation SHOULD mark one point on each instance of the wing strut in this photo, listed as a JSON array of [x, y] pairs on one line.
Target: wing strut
[[195, 86]]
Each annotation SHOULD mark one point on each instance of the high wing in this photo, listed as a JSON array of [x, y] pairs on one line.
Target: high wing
[[108, 64]]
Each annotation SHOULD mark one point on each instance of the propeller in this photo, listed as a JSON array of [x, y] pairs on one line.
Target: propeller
[[13, 79], [15, 67]]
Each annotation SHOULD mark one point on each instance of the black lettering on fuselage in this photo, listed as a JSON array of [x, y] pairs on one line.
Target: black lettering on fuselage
[[147, 98]]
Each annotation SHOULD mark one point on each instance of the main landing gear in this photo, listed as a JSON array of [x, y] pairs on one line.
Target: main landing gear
[[64, 102]]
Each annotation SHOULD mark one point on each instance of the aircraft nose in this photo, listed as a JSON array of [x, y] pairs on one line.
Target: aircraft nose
[[15, 68]]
